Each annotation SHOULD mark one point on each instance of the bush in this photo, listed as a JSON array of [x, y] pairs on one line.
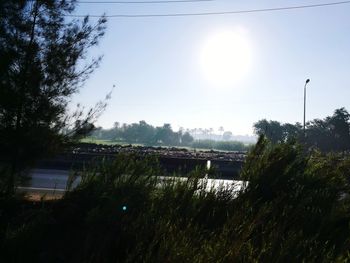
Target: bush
[[295, 208]]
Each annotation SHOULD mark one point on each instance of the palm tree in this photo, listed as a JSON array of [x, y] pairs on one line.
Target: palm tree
[[221, 130]]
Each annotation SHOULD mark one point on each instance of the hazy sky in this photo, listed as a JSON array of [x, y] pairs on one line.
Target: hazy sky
[[167, 69]]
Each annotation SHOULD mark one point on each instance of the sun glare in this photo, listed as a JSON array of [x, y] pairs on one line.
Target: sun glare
[[226, 57]]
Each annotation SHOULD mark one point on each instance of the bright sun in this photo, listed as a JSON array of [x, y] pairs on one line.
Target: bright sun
[[226, 57]]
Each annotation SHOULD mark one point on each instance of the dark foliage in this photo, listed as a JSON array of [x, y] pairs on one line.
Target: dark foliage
[[41, 54], [144, 133], [295, 208], [329, 134]]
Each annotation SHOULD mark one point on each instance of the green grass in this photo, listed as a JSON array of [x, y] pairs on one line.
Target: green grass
[[108, 142], [99, 141]]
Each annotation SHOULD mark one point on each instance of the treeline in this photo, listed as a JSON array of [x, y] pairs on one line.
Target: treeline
[[329, 134], [144, 133]]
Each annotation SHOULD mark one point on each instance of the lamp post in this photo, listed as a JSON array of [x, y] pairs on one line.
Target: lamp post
[[306, 82]]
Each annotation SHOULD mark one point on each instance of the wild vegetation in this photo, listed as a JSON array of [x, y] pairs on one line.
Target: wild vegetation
[[294, 209], [146, 134], [329, 134], [42, 64], [143, 133]]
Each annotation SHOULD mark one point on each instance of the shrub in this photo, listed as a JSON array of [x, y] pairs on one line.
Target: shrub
[[295, 208]]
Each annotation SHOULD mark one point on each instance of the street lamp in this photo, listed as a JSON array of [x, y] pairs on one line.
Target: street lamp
[[306, 82]]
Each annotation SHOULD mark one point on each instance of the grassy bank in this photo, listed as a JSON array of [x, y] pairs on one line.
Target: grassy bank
[[294, 209]]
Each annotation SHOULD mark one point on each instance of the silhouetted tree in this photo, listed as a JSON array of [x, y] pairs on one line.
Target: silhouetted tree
[[145, 132], [329, 134], [187, 139], [292, 131], [339, 128], [41, 53], [165, 135], [227, 135], [273, 130]]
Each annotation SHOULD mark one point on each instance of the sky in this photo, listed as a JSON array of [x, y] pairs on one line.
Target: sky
[[167, 69]]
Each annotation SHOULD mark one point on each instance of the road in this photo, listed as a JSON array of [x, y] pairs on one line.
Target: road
[[47, 181], [51, 181]]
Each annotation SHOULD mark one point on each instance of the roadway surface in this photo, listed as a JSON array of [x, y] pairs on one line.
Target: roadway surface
[[54, 181]]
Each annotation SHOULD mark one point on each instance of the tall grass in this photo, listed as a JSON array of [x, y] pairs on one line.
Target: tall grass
[[294, 209]]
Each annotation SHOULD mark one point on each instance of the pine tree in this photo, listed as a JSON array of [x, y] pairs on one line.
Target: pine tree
[[42, 64]]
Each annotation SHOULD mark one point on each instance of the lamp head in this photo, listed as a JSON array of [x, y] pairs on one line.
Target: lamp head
[[307, 81]]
